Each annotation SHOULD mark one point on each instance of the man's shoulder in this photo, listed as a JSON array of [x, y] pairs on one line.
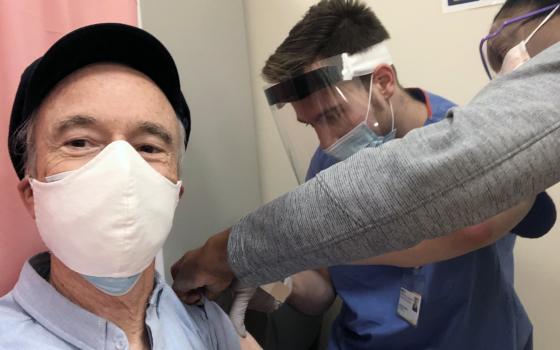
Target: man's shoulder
[[208, 314], [439, 106], [208, 321], [217, 324], [18, 329], [11, 313]]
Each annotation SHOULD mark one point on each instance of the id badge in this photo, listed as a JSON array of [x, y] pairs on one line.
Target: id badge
[[410, 297]]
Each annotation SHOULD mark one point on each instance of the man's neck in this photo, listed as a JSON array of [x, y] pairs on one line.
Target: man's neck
[[128, 312], [409, 112]]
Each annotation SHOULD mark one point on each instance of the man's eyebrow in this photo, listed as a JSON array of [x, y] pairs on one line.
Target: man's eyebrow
[[74, 121], [321, 114], [157, 130]]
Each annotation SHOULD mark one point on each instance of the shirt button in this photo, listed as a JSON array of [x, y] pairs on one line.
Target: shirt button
[[120, 344]]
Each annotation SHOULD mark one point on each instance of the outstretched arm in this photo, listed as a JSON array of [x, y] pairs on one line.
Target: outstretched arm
[[481, 160]]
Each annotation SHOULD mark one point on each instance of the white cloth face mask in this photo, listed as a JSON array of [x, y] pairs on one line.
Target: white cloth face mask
[[108, 218], [518, 54]]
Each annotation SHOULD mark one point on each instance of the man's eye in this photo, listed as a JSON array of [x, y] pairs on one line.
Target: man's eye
[[148, 149], [333, 117], [77, 143]]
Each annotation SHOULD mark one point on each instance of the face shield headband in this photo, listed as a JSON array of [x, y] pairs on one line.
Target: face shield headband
[[332, 97], [339, 68]]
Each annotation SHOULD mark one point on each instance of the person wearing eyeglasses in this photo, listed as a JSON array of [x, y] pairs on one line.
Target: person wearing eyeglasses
[[488, 155], [518, 33]]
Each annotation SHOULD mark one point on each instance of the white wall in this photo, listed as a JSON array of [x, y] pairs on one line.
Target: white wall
[[431, 50], [538, 282], [220, 169]]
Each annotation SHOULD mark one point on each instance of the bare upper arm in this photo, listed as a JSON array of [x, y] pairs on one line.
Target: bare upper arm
[[455, 244], [312, 291]]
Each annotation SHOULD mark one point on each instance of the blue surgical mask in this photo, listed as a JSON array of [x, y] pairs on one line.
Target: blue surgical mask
[[113, 286], [360, 137]]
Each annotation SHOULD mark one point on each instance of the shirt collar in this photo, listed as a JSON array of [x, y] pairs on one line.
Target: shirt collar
[[58, 314], [421, 95]]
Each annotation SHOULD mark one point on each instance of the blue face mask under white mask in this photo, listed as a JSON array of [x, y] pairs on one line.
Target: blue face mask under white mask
[[361, 136], [115, 286]]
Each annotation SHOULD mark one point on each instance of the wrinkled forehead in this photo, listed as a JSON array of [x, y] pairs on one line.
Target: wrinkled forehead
[[106, 74], [105, 82], [108, 93]]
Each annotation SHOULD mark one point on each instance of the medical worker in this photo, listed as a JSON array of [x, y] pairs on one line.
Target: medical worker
[[334, 73], [477, 162]]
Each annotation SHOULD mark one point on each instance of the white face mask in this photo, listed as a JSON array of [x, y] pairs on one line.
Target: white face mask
[[515, 58], [109, 218], [518, 54]]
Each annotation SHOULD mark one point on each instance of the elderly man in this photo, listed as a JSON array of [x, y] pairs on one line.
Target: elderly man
[[97, 133]]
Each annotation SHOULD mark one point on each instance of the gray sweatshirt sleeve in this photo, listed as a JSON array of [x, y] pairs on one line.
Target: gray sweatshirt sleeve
[[481, 160]]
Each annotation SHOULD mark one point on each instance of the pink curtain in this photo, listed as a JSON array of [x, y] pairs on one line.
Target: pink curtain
[[27, 29]]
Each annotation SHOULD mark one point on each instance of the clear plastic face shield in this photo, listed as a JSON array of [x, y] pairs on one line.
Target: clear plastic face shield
[[328, 108], [518, 54]]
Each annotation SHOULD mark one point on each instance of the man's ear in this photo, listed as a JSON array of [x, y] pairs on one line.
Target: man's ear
[[181, 191], [385, 80], [26, 195]]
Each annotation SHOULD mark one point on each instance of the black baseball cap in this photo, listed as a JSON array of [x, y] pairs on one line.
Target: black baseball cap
[[104, 42]]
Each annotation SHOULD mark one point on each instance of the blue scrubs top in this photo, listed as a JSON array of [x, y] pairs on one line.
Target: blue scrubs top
[[467, 302]]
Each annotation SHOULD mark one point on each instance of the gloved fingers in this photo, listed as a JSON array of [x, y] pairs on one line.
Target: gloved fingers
[[256, 299], [242, 296], [239, 325], [249, 343], [263, 302]]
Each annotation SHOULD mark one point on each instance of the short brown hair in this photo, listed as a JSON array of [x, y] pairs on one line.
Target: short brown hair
[[329, 28]]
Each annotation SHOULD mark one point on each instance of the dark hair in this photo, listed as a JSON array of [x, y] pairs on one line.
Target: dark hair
[[529, 4], [329, 28]]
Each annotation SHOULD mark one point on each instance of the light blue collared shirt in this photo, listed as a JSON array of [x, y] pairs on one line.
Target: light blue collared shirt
[[35, 316]]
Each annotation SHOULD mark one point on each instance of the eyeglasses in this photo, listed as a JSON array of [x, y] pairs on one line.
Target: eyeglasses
[[484, 42]]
